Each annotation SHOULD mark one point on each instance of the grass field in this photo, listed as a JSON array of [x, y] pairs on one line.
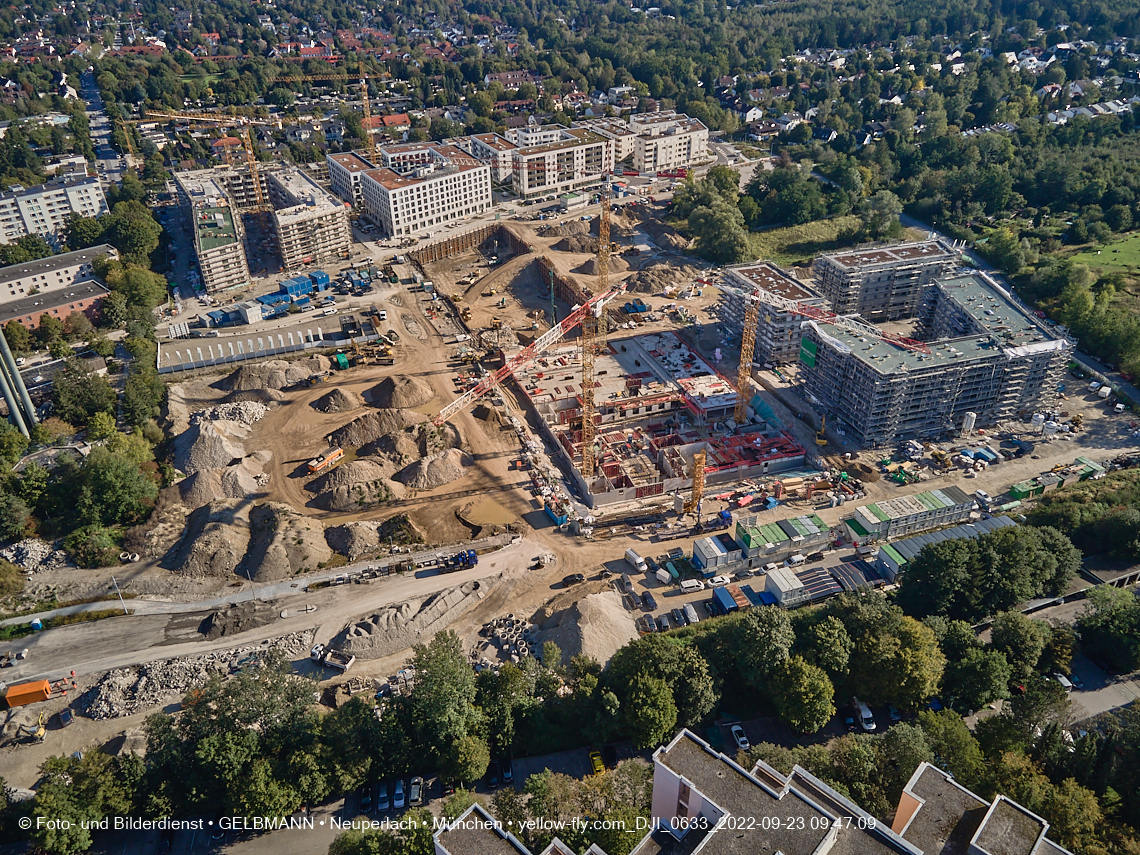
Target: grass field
[[207, 79], [1117, 255], [800, 244]]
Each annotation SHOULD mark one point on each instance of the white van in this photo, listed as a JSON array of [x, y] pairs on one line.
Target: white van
[[691, 586], [795, 561], [718, 581], [636, 561], [863, 713], [1065, 682], [768, 568], [329, 311]]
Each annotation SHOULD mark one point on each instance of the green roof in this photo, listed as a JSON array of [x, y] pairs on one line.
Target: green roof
[[215, 228], [894, 553], [878, 512], [773, 533], [856, 527], [819, 523], [930, 501]]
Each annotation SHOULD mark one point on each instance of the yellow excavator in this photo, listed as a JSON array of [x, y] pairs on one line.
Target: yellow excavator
[[820, 436], [38, 732]]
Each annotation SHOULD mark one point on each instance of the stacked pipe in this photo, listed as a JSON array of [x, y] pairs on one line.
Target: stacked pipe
[[21, 411]]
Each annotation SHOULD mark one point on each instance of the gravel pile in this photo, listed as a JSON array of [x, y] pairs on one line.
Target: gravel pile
[[208, 445], [355, 486], [574, 227], [596, 626], [354, 539], [242, 412], [233, 482], [656, 277], [436, 470], [590, 267], [34, 554], [282, 543], [577, 243], [275, 374], [371, 427], [214, 542], [400, 392], [338, 401], [127, 691]]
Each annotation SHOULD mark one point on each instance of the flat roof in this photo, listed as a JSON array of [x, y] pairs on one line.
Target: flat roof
[[949, 817], [494, 141], [55, 262], [579, 136], [854, 259], [768, 277], [351, 161], [37, 304], [214, 227], [475, 832], [1009, 829]]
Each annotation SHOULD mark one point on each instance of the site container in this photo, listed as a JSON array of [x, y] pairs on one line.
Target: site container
[[27, 693]]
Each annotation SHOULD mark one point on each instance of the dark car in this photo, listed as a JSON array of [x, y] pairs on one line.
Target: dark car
[[648, 602], [663, 623], [573, 579], [366, 799], [815, 556], [493, 775], [849, 723], [679, 618], [508, 771], [651, 565]]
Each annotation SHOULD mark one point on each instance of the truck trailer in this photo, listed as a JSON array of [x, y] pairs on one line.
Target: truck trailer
[[332, 658]]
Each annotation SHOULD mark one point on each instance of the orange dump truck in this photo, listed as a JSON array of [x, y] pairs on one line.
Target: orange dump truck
[[326, 460], [27, 693]]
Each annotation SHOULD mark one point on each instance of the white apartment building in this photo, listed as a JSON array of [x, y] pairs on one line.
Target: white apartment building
[[344, 176], [616, 131], [668, 140], [496, 151], [311, 225], [449, 188], [406, 156], [219, 237], [577, 160], [45, 209], [55, 273], [535, 135]]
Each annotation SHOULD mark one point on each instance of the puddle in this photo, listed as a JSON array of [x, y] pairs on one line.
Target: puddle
[[487, 512]]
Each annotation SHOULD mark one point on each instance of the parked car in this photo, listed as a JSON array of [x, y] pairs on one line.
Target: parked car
[[893, 713], [416, 792], [849, 722], [366, 799], [740, 737], [508, 770], [573, 579], [596, 764], [648, 602], [398, 799], [493, 775], [815, 556], [679, 618], [383, 803], [663, 623]]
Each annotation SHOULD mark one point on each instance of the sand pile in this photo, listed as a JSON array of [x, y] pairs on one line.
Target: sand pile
[[275, 374], [238, 481], [656, 277], [214, 541], [282, 543], [488, 414], [596, 626], [371, 427], [354, 539], [436, 470], [620, 225], [399, 627], [256, 396], [664, 235], [209, 445], [355, 486], [574, 227], [590, 267], [577, 243], [399, 392], [338, 401]]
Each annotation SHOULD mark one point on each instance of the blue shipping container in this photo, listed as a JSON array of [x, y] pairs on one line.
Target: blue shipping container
[[319, 278]]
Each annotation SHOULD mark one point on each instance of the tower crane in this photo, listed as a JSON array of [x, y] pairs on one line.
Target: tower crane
[[747, 348], [859, 328], [698, 494], [593, 337]]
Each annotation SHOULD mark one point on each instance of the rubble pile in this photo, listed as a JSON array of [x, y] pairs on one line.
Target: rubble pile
[[209, 445], [243, 412], [356, 486], [33, 554], [656, 277], [126, 691]]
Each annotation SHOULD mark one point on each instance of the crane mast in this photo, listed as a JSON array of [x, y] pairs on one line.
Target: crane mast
[[747, 348]]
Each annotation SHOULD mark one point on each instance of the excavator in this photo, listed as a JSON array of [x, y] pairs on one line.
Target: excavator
[[820, 436], [38, 732]]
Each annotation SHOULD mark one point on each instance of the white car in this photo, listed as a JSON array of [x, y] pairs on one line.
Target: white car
[[398, 795], [740, 737]]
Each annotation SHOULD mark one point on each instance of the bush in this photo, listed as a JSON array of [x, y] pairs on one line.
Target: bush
[[93, 546]]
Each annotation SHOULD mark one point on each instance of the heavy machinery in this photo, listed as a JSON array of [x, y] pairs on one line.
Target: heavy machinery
[[38, 732], [698, 494], [747, 348], [820, 436]]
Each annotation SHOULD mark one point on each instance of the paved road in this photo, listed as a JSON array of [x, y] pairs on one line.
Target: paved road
[[157, 632], [110, 168]]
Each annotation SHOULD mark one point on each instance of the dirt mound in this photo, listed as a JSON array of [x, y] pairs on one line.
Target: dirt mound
[[237, 618], [656, 277], [355, 486], [664, 235], [574, 227], [400, 530], [338, 401], [215, 539], [354, 539], [436, 470], [371, 427], [209, 445], [596, 626], [399, 392], [577, 243], [233, 482], [274, 374], [283, 542], [255, 396], [488, 414], [590, 268]]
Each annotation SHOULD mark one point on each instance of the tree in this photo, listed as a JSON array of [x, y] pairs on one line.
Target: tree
[[828, 645], [101, 426], [902, 748], [764, 639], [19, 339], [82, 232], [443, 699], [976, 679], [130, 189], [900, 664], [803, 695], [59, 349], [132, 230], [142, 395], [651, 714], [13, 444], [1110, 628], [1003, 249], [1022, 640], [955, 749], [77, 327], [48, 329], [14, 517], [140, 286], [881, 214], [112, 489], [466, 759], [78, 393], [683, 669]]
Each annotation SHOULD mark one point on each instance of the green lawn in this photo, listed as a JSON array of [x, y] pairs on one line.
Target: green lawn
[[208, 79], [1117, 255], [800, 244]]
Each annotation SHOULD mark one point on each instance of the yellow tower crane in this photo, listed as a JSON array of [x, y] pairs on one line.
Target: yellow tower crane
[[747, 348], [694, 503], [603, 260], [587, 343]]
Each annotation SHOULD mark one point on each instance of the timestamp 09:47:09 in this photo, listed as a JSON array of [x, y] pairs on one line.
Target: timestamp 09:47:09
[[774, 823]]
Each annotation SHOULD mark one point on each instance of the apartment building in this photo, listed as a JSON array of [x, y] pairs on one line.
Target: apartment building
[[882, 283], [219, 238], [406, 156], [985, 354], [529, 135], [668, 140], [310, 224], [449, 188], [778, 333], [45, 209], [498, 152], [576, 160], [83, 297], [50, 275], [344, 176], [622, 137]]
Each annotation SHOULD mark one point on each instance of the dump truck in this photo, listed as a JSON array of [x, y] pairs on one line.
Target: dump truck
[[26, 693], [326, 460], [332, 658]]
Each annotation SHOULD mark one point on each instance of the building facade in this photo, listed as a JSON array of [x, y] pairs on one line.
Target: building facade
[[577, 160], [49, 275], [449, 188], [496, 151], [219, 237], [778, 333], [45, 209], [344, 176], [668, 140], [882, 283], [622, 138], [310, 224]]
